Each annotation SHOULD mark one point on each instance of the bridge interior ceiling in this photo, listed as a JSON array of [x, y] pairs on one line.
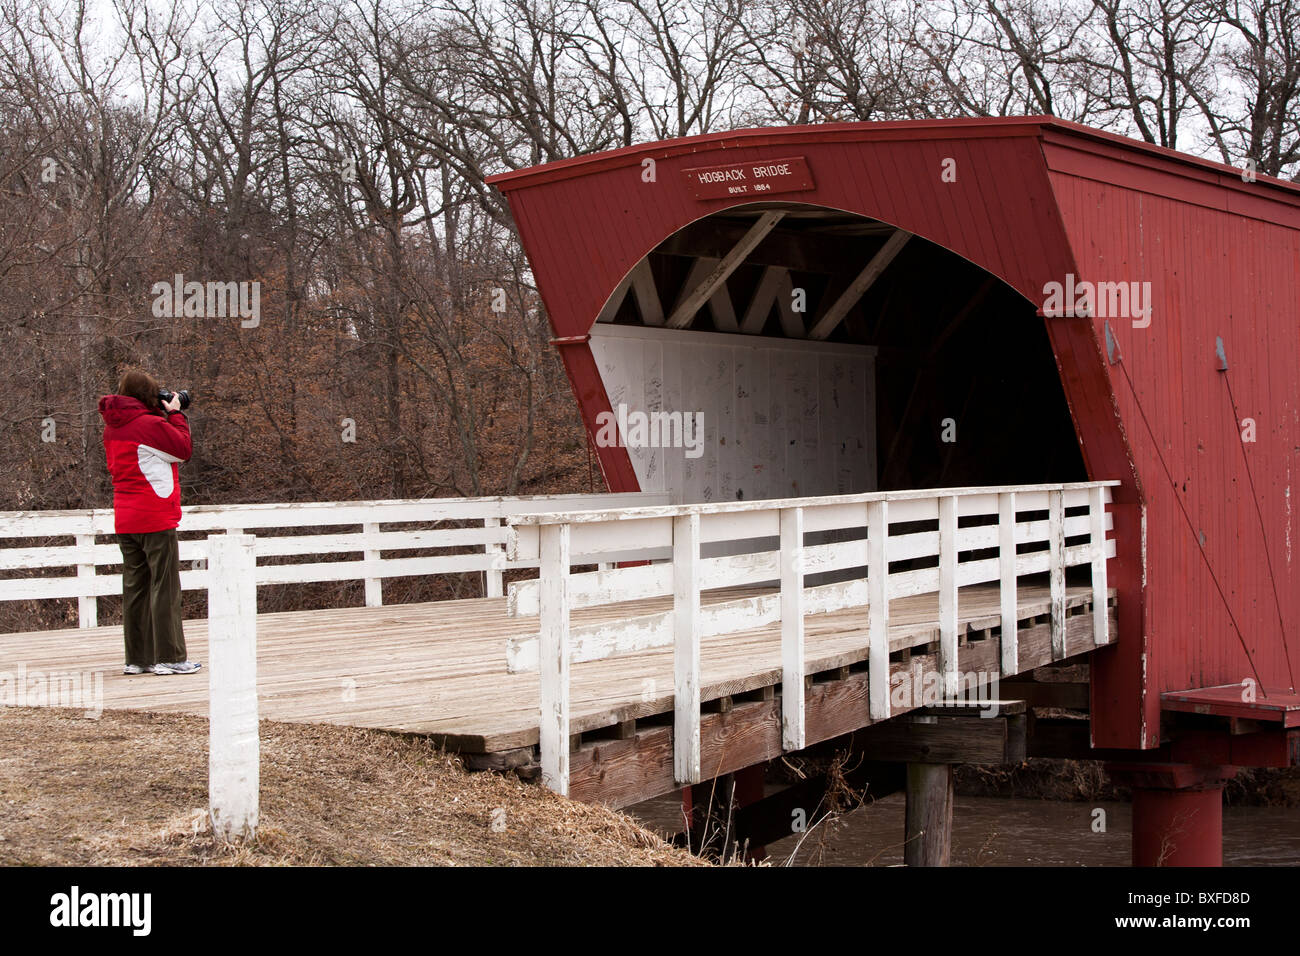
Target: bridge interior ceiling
[[954, 341]]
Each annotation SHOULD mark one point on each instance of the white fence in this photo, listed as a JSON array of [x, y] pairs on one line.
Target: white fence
[[366, 535], [1027, 526]]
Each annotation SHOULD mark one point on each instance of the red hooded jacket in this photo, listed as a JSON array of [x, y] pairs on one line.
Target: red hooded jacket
[[144, 450]]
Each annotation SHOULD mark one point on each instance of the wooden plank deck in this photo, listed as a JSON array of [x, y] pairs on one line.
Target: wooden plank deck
[[439, 668]]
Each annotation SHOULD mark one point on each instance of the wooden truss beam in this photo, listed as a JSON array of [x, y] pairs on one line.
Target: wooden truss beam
[[642, 283], [832, 317], [695, 299], [720, 306], [776, 286]]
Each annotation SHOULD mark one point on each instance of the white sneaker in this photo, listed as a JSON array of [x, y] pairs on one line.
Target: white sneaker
[[180, 667], [133, 669]]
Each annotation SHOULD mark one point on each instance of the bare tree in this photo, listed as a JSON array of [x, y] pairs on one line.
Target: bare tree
[[1158, 65], [1258, 117]]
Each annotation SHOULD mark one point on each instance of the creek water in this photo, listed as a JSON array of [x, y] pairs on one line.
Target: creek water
[[992, 831]]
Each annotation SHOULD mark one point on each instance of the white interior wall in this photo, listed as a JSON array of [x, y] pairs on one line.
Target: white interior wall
[[782, 417]]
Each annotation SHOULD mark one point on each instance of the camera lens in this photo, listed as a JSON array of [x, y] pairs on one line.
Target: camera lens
[[166, 395]]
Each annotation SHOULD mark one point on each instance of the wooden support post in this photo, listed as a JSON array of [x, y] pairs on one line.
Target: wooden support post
[[87, 604], [1007, 577], [686, 648], [553, 657], [493, 586], [792, 630], [374, 585], [948, 594], [1056, 546], [928, 832], [878, 608], [233, 746], [1097, 521]]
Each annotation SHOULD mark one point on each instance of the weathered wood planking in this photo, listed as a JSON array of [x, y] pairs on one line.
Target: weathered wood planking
[[782, 385], [438, 668], [623, 772]]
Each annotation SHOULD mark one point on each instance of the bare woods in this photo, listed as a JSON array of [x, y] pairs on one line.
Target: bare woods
[[333, 154]]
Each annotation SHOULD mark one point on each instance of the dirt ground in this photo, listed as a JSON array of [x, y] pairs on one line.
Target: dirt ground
[[131, 789]]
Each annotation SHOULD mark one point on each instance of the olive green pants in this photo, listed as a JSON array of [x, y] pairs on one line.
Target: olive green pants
[[151, 598]]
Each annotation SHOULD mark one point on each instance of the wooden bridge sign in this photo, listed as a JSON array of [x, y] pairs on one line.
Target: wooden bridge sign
[[750, 178]]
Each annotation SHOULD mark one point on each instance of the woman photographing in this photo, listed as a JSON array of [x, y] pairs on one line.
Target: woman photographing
[[145, 441]]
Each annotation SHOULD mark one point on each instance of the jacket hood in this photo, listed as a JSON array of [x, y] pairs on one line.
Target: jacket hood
[[118, 410]]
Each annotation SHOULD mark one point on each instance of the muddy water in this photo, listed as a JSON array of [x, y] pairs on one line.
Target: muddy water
[[990, 831]]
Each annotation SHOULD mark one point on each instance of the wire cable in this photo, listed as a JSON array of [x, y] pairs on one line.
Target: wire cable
[[1191, 526], [1259, 512]]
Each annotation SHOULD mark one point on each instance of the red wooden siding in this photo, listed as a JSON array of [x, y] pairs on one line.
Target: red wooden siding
[[1036, 199], [1214, 272]]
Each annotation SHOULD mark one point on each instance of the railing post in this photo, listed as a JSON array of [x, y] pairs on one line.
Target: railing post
[[1100, 597], [374, 585], [686, 648], [792, 630], [553, 657], [492, 577], [1056, 563], [87, 604], [1007, 584], [948, 594], [878, 608], [233, 748]]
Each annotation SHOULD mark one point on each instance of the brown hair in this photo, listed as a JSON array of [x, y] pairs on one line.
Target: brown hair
[[142, 386]]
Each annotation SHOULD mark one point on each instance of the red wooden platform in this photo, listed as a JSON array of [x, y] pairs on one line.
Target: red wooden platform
[[1275, 705]]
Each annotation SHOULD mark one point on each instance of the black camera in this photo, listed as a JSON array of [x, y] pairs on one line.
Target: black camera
[[166, 395]]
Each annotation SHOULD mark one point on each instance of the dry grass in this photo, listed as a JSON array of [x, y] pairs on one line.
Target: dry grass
[[131, 789]]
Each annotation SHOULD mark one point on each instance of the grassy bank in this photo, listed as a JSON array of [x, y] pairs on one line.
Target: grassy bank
[[131, 789]]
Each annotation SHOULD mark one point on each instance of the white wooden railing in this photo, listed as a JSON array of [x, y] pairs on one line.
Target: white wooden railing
[[693, 548], [365, 534]]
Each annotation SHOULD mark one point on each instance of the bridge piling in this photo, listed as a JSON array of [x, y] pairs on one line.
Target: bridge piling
[[928, 826], [1177, 812]]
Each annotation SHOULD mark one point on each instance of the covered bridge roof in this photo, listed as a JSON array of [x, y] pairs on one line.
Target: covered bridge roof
[[1035, 201]]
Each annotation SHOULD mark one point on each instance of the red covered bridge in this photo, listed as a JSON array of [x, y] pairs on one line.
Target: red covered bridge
[[875, 307], [931, 443]]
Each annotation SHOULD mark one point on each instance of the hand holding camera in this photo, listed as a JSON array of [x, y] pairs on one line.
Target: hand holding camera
[[174, 401]]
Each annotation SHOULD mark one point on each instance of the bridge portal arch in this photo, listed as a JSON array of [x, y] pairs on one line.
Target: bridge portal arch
[[821, 351]]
